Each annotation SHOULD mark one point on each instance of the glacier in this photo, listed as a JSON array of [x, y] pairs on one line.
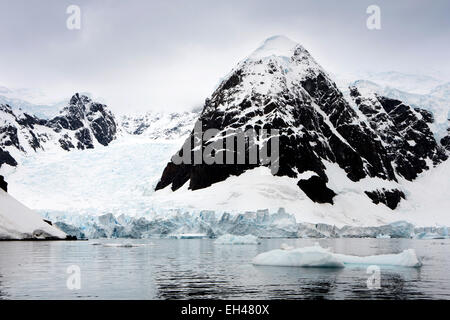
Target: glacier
[[227, 228]]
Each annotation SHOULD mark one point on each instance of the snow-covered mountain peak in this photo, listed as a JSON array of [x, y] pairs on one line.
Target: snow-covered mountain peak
[[276, 68], [280, 52], [279, 45]]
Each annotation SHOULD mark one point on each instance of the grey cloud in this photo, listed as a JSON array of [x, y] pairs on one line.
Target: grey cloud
[[170, 54]]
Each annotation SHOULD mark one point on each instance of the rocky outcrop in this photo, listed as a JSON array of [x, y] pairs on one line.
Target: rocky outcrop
[[445, 141], [316, 189], [6, 158], [391, 198], [3, 184], [91, 122]]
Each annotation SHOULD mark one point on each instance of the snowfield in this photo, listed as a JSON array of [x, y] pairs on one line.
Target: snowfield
[[19, 222]]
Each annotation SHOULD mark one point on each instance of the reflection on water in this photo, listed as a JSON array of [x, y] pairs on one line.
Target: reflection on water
[[188, 269]]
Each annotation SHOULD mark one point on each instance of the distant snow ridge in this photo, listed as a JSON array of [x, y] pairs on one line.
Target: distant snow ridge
[[280, 86], [82, 124], [32, 101], [160, 126]]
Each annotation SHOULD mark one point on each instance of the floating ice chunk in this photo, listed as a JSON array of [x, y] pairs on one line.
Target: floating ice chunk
[[285, 246], [232, 239], [407, 258], [126, 245], [188, 236], [316, 256], [383, 236]]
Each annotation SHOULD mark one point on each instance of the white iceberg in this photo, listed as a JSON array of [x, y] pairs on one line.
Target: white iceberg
[[407, 258], [233, 239], [316, 256], [188, 236]]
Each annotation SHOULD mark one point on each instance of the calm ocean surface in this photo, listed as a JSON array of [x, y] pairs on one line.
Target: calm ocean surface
[[196, 269]]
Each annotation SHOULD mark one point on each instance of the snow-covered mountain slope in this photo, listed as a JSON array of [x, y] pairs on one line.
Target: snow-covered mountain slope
[[406, 82], [160, 126], [437, 104], [19, 222], [441, 91], [82, 124], [281, 86]]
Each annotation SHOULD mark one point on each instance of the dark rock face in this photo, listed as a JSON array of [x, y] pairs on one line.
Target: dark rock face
[[445, 141], [79, 125], [6, 158], [390, 198], [84, 139], [404, 131], [3, 184], [316, 189]]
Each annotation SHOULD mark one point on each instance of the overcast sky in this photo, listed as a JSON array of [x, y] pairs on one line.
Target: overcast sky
[[141, 55]]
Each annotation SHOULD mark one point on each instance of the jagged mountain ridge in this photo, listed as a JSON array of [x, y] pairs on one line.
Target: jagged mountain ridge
[[281, 86], [404, 130], [82, 124], [437, 104]]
